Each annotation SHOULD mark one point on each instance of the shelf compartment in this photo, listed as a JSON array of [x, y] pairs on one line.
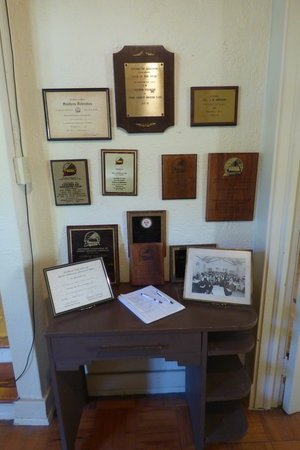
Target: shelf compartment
[[230, 342], [227, 379]]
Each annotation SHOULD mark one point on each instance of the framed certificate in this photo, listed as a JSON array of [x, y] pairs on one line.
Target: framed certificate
[[119, 172], [77, 114], [211, 106], [77, 286], [146, 227], [87, 242], [70, 182]]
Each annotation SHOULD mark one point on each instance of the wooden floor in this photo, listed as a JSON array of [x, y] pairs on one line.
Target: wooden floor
[[151, 423]]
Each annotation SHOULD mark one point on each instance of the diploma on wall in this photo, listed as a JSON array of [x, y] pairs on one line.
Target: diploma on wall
[[150, 304]]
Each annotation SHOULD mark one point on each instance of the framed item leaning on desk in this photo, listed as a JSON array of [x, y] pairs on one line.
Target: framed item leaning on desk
[[77, 286], [218, 276]]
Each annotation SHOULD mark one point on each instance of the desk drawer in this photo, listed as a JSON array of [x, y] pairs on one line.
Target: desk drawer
[[70, 352]]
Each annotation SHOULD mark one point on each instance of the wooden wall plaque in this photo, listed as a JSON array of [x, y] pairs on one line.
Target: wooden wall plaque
[[231, 186], [144, 88], [146, 264], [179, 174]]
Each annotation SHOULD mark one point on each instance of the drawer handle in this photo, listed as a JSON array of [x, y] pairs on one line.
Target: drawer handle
[[118, 348]]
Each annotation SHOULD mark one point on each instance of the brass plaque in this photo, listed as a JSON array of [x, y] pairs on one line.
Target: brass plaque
[[144, 87], [231, 185]]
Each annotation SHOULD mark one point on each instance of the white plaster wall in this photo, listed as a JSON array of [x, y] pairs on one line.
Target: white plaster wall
[[64, 43]]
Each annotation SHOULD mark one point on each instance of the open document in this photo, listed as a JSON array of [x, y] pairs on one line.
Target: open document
[[150, 304]]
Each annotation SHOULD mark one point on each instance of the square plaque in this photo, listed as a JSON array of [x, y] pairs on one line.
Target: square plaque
[[179, 176], [146, 227]]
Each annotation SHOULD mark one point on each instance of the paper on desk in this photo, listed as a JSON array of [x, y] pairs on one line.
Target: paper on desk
[[150, 304]]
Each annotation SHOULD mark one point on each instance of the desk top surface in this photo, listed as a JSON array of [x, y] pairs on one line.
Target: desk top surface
[[112, 317]]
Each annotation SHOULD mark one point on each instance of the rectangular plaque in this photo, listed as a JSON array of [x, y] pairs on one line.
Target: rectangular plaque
[[77, 114], [179, 174], [146, 264], [231, 185], [70, 182], [77, 286], [144, 87], [214, 106], [146, 227], [87, 242], [119, 172]]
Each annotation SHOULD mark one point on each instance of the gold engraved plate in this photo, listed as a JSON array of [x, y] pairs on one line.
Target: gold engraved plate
[[144, 86]]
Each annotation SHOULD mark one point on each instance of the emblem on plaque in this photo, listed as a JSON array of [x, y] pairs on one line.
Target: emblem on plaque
[[233, 167]]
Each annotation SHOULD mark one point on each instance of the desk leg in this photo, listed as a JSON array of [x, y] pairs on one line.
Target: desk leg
[[70, 397], [195, 393]]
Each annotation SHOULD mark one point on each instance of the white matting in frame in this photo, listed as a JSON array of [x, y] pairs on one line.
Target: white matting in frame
[[79, 285], [217, 275]]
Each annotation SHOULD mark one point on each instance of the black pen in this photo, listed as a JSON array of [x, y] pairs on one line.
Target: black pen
[[166, 298]]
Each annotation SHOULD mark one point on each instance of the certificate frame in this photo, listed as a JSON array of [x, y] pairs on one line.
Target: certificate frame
[[119, 172], [218, 276], [177, 260], [94, 241], [146, 227], [70, 178], [214, 106], [77, 286], [77, 114]]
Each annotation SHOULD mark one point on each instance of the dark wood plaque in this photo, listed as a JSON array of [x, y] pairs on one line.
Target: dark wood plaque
[[146, 264], [179, 174], [231, 185], [144, 88]]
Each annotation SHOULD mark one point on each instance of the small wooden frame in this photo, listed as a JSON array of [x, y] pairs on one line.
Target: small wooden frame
[[214, 105], [146, 227]]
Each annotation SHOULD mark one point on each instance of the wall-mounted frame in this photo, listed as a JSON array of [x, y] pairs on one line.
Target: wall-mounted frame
[[179, 176], [146, 227], [144, 87], [218, 276], [214, 105], [87, 242], [70, 179], [119, 172], [77, 114], [77, 286], [177, 260]]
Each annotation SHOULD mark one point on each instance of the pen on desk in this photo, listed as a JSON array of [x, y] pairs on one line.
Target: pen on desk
[[150, 298], [166, 298]]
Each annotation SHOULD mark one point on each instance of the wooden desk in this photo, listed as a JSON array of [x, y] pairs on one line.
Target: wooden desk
[[199, 337]]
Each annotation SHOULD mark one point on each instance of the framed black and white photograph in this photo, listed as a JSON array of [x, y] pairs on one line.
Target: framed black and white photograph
[[177, 260], [77, 286], [217, 275], [146, 227], [87, 242], [77, 114]]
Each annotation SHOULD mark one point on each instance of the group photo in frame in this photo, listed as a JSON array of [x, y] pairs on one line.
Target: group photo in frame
[[119, 172], [214, 106], [218, 276], [77, 114], [146, 227], [77, 286], [70, 179], [177, 260], [86, 242]]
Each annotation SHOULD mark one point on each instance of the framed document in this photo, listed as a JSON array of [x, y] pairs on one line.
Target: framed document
[[119, 172], [144, 87], [231, 185], [70, 182], [77, 114], [146, 264], [179, 176], [214, 106], [146, 227], [87, 242], [217, 275], [77, 286], [177, 260]]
